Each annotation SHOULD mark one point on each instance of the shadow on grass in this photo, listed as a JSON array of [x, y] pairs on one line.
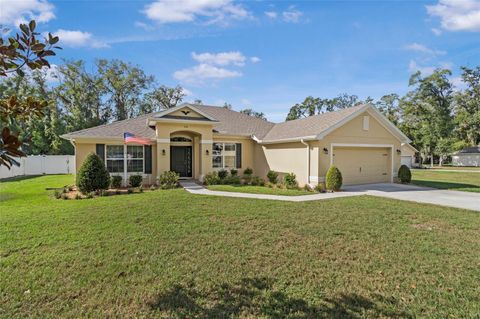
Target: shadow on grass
[[18, 178], [255, 297], [444, 185]]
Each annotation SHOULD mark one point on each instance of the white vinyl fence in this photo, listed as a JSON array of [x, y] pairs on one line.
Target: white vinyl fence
[[40, 165]]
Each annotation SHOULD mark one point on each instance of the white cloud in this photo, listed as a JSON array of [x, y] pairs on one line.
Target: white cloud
[[202, 72], [187, 92], [76, 39], [271, 14], [255, 59], [292, 15], [222, 58], [427, 70], [144, 26], [177, 11], [14, 12], [417, 47], [457, 15], [436, 31]]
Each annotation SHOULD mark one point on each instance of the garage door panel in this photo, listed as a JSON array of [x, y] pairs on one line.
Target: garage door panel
[[362, 165]]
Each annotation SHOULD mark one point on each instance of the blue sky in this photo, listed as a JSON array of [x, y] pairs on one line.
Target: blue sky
[[267, 55]]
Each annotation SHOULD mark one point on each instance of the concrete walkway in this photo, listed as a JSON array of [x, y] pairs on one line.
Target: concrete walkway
[[465, 200]]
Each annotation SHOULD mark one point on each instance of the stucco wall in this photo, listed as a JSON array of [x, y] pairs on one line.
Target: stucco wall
[[85, 147], [353, 133]]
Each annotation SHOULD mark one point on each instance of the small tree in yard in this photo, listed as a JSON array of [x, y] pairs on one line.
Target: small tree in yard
[[334, 179], [93, 175], [404, 174]]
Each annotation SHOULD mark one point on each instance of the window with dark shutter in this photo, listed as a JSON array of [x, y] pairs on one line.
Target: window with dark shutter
[[238, 155], [148, 159], [100, 150]]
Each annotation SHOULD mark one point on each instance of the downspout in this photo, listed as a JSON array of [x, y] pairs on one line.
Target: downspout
[[308, 159]]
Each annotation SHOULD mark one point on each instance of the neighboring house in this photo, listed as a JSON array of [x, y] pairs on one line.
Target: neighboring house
[[408, 157], [469, 156], [194, 140]]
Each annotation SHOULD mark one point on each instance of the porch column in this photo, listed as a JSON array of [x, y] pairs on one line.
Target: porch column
[[206, 155], [163, 155]]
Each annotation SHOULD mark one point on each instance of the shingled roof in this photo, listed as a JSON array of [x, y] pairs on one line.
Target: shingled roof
[[229, 122]]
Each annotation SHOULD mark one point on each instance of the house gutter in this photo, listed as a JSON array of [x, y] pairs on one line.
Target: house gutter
[[308, 159]]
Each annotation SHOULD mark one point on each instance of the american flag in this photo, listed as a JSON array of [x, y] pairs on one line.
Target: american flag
[[131, 138]]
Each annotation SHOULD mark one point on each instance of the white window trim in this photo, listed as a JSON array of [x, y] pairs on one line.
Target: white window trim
[[125, 173], [223, 156], [114, 159], [136, 158]]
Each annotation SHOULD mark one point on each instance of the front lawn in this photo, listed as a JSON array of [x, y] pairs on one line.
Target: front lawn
[[259, 190], [461, 181], [171, 254]]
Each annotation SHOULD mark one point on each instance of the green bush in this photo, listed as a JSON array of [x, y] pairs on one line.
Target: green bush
[[78, 196], [211, 178], [320, 187], [334, 179], [168, 180], [222, 174], [232, 180], [64, 196], [272, 177], [90, 195], [135, 180], [290, 180], [234, 172], [129, 191], [93, 175], [257, 181], [116, 181], [103, 193], [404, 174], [248, 171], [57, 194]]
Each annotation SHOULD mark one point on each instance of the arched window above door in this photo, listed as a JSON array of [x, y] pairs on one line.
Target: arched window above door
[[180, 139]]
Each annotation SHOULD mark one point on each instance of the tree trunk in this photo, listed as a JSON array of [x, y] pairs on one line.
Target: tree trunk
[[440, 161], [431, 160]]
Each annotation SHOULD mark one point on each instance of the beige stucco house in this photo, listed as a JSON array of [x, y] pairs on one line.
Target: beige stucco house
[[196, 139]]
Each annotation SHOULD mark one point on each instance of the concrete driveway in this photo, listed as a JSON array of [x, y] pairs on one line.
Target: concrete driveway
[[466, 200]]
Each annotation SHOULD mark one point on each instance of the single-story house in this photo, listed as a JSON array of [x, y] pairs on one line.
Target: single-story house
[[469, 156], [408, 156], [194, 140]]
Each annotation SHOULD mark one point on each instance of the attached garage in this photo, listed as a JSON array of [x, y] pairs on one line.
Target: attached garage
[[363, 164]]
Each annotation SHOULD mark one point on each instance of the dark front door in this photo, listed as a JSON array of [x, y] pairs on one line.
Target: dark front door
[[181, 160]]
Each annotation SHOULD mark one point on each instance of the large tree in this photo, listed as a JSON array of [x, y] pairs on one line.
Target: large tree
[[162, 98], [427, 112], [389, 105], [467, 107], [125, 85], [251, 112]]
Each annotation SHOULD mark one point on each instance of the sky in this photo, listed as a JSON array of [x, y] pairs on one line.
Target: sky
[[265, 55]]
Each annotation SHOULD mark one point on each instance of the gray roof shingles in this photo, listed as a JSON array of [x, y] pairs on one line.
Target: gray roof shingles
[[229, 123]]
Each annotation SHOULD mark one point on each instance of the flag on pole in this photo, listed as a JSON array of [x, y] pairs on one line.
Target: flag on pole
[[131, 138]]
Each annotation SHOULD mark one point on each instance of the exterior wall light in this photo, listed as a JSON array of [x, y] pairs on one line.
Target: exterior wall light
[[399, 151], [207, 152], [164, 152], [325, 150]]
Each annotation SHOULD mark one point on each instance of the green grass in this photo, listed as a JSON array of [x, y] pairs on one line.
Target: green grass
[[461, 181], [460, 168], [171, 254], [259, 190]]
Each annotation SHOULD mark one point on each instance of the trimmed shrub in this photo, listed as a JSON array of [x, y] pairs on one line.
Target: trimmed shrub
[[57, 194], [135, 180], [272, 177], [248, 171], [168, 180], [211, 178], [116, 181], [404, 174], [257, 181], [103, 193], [320, 187], [334, 179], [232, 180], [290, 180], [93, 175], [90, 195], [222, 174], [234, 172]]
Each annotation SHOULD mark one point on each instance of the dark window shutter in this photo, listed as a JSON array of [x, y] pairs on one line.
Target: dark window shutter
[[238, 155], [100, 150], [148, 159]]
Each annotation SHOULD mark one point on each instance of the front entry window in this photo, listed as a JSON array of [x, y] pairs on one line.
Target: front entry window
[[224, 155], [115, 158], [134, 158]]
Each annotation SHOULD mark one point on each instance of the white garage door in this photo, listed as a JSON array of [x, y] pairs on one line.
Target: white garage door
[[407, 160], [361, 165]]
